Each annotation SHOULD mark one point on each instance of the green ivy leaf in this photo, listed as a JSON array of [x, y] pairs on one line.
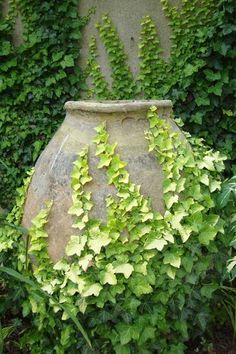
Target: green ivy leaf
[[67, 62], [207, 234], [139, 285], [126, 269], [96, 242], [156, 244], [93, 289], [208, 290], [127, 332], [173, 259], [76, 245]]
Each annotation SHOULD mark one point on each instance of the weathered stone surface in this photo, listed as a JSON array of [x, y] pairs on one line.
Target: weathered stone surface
[[126, 125]]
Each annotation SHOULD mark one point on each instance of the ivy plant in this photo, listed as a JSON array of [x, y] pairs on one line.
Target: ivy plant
[[152, 65], [100, 86], [143, 280], [123, 84], [36, 78]]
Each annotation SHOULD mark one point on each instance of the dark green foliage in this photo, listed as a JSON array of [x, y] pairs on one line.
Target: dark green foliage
[[203, 84], [36, 79]]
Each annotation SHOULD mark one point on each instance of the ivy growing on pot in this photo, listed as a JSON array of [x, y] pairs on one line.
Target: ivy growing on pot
[[137, 278]]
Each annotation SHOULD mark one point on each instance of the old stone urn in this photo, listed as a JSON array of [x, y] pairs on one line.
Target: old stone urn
[[126, 124]]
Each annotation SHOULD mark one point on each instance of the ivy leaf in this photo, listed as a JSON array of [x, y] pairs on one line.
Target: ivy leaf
[[126, 269], [105, 161], [187, 262], [214, 185], [205, 179], [185, 232], [81, 223], [207, 234], [171, 272], [139, 285], [156, 244], [216, 89], [85, 261], [132, 204], [207, 290], [127, 332], [169, 186], [108, 276], [173, 259], [190, 69], [207, 162], [57, 56], [73, 273], [147, 216], [76, 245], [211, 75], [147, 333], [122, 349], [97, 242], [176, 218], [85, 179], [203, 101], [170, 199], [93, 289], [75, 211], [67, 62]]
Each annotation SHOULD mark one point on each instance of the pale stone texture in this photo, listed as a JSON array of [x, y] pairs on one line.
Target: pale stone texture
[[127, 17], [126, 125]]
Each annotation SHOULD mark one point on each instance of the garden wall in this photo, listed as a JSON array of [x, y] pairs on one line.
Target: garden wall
[[127, 17]]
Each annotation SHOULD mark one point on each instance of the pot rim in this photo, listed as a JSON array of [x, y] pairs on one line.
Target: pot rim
[[116, 105]]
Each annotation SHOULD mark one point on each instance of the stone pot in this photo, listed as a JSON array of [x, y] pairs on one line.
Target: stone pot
[[126, 125]]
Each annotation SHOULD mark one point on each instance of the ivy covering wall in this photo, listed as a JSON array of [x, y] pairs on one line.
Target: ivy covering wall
[[37, 77], [199, 78]]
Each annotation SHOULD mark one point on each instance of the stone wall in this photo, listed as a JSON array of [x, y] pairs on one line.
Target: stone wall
[[127, 17]]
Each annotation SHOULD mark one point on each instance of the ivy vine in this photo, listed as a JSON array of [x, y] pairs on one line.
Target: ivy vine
[[100, 86], [133, 269], [123, 84], [199, 76], [152, 65]]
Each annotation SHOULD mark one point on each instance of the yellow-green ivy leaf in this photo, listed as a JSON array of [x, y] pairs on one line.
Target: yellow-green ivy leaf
[[205, 179], [173, 259], [156, 244], [76, 245], [126, 269], [108, 276], [171, 272], [85, 261], [97, 242], [170, 199], [185, 232], [93, 289]]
